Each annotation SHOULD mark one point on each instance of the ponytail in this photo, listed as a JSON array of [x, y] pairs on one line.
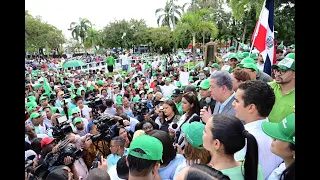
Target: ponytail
[[251, 158]]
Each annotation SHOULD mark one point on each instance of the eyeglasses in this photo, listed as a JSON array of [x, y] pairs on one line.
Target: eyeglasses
[[280, 71]]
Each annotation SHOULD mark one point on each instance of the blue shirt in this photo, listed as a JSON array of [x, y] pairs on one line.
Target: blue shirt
[[114, 158], [226, 102], [168, 171]]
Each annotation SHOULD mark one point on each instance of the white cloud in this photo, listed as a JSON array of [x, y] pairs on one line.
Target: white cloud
[[61, 13]]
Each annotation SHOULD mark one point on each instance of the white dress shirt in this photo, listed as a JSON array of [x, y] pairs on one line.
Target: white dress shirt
[[267, 160]]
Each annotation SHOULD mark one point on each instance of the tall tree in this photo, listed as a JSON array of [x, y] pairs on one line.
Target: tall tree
[[170, 14], [40, 34], [93, 39], [161, 38], [80, 29]]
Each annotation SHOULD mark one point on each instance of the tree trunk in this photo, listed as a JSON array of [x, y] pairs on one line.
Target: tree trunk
[[193, 46], [244, 33], [203, 42]]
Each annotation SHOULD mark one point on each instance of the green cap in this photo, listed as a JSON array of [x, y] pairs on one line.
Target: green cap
[[215, 65], [291, 55], [206, 69], [42, 98], [168, 79], [193, 133], [281, 46], [100, 82], [152, 147], [250, 66], [32, 98], [178, 84], [135, 99], [205, 84], [227, 68], [285, 64], [292, 46], [31, 109], [79, 90], [37, 85], [190, 78], [232, 48], [125, 84], [150, 91], [34, 115], [75, 110], [119, 100], [72, 96], [146, 87], [232, 56], [77, 120], [254, 56], [245, 54], [283, 131], [246, 60], [31, 104]]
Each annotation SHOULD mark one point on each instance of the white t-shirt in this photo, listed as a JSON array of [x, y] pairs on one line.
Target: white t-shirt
[[276, 173], [113, 173], [124, 59], [167, 90], [85, 111]]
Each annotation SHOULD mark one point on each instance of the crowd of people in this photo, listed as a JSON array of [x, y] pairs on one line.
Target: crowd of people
[[230, 120]]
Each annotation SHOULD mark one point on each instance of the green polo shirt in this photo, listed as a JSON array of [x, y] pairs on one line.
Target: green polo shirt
[[110, 61], [283, 105], [179, 107]]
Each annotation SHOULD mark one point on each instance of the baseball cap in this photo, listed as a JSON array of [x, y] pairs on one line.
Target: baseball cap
[[205, 84], [178, 84], [193, 133], [77, 120], [43, 98], [231, 48], [135, 99], [152, 147], [176, 92], [100, 82], [291, 55], [215, 65], [284, 130], [29, 153], [46, 141], [119, 100], [250, 66], [168, 79], [232, 56], [254, 56], [285, 64], [32, 98], [31, 104], [75, 110], [31, 109], [292, 46], [34, 115], [246, 60]]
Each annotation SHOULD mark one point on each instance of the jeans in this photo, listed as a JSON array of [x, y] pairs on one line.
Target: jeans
[[125, 67]]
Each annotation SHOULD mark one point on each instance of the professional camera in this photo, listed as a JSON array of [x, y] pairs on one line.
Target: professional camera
[[66, 93], [94, 103], [140, 109], [56, 159], [103, 123], [62, 129]]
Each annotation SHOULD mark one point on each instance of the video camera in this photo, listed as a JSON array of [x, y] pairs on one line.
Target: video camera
[[94, 103], [62, 129], [103, 123], [140, 109], [66, 93]]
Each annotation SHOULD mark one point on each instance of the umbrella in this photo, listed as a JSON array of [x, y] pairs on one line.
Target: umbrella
[[181, 54], [73, 63]]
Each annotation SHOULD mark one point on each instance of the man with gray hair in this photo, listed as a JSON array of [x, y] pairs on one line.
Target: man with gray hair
[[117, 150], [222, 92]]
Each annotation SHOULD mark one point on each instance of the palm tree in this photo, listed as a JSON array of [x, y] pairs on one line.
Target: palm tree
[[80, 30], [170, 14], [93, 39]]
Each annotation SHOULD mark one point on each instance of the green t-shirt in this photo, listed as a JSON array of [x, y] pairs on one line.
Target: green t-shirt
[[110, 61], [179, 107], [283, 105], [237, 173]]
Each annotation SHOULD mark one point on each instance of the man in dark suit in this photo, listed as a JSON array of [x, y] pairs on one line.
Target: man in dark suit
[[205, 93], [221, 91]]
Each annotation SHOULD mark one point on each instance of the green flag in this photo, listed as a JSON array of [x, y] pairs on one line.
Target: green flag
[[46, 87]]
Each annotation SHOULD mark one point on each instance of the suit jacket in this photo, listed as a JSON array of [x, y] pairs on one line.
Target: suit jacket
[[228, 109]]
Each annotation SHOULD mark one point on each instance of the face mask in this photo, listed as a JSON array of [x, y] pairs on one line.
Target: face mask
[[127, 128]]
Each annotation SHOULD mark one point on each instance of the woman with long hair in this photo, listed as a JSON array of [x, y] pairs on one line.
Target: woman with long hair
[[283, 145], [224, 135], [191, 107], [123, 131], [171, 115]]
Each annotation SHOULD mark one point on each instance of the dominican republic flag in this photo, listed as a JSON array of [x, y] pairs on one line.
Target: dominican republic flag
[[263, 36]]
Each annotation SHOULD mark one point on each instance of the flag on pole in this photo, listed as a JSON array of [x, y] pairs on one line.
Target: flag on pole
[[46, 86], [263, 36]]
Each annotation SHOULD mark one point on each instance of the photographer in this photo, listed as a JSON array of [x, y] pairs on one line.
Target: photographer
[[90, 148]]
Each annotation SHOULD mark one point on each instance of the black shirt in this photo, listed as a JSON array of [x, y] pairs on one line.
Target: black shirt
[[203, 103]]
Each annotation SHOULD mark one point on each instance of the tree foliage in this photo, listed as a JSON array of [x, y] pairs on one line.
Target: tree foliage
[[161, 37], [40, 34], [79, 30], [170, 14]]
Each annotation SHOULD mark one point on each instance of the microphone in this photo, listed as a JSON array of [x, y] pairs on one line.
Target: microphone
[[177, 134], [208, 101]]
